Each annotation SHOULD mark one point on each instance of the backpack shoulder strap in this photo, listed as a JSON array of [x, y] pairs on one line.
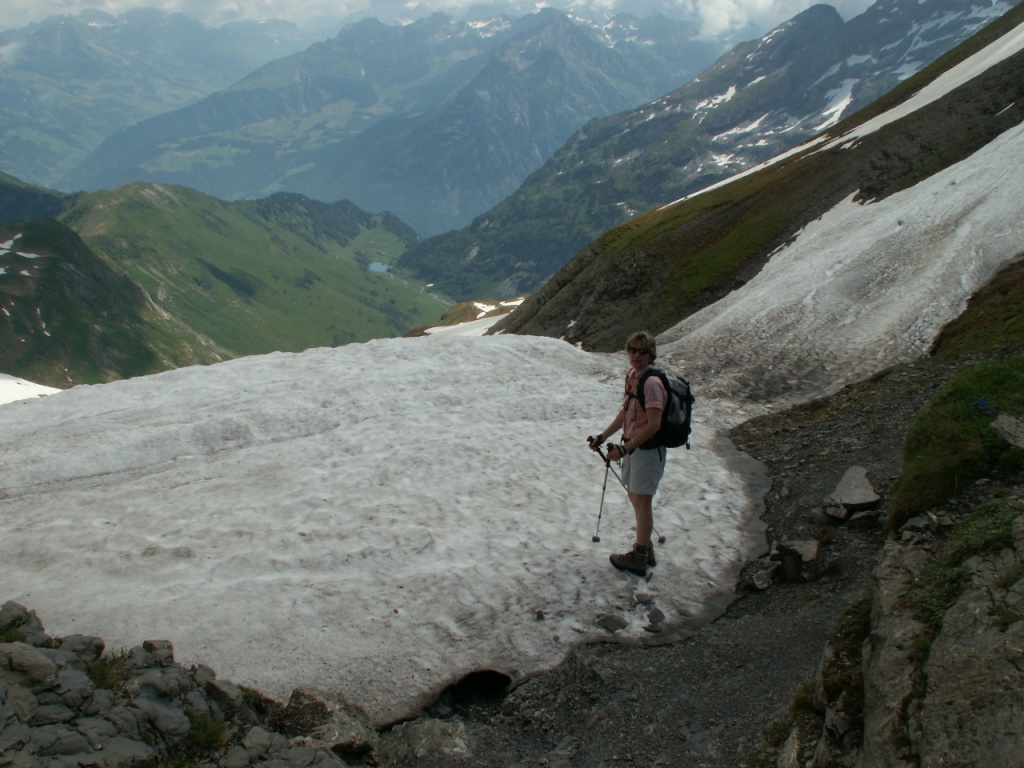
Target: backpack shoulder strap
[[642, 381]]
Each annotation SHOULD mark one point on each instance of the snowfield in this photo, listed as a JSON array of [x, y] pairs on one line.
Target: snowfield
[[373, 521], [862, 288]]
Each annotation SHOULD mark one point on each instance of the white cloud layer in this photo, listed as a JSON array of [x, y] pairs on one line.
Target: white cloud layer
[[716, 15]]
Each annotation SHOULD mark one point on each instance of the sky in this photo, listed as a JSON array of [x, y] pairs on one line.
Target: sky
[[378, 520], [716, 16]]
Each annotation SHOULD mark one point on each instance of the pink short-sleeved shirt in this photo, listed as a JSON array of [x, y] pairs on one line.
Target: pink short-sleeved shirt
[[655, 396]]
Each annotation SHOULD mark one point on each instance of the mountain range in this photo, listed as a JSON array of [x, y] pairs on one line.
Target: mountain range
[[222, 279], [69, 82], [759, 99], [672, 261], [435, 121]]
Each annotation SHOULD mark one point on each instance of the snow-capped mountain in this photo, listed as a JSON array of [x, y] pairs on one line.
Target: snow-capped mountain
[[687, 255], [762, 98]]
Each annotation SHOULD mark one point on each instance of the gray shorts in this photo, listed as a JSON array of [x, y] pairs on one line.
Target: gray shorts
[[642, 470]]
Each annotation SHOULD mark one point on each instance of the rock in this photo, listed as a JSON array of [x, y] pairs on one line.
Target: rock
[[236, 757], [32, 663], [854, 492], [22, 702], [169, 720], [656, 618], [970, 714], [866, 518], [60, 739], [793, 554], [85, 647], [261, 742], [611, 622], [888, 669], [96, 730], [807, 549], [74, 687], [921, 523], [53, 716], [1010, 429], [16, 617], [789, 754], [836, 512], [758, 574], [49, 714], [161, 652], [963, 706], [339, 731], [415, 741], [120, 752], [226, 695]]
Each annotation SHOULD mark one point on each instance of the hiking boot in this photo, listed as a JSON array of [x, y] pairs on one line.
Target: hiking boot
[[651, 562], [631, 561]]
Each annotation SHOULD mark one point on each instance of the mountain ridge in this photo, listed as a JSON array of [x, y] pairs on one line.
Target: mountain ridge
[[71, 81], [687, 255], [796, 79], [710, 698], [434, 77]]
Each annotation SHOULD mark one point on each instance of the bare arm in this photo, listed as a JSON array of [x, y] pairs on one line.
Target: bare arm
[[645, 434]]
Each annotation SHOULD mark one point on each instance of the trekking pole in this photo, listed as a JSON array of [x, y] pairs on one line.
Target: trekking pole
[[608, 465], [600, 510]]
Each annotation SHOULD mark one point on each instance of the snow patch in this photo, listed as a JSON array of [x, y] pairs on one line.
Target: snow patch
[[13, 389], [839, 99], [876, 284]]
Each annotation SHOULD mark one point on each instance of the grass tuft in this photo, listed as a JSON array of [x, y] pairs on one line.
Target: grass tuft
[[952, 443], [206, 734], [12, 635], [109, 671]]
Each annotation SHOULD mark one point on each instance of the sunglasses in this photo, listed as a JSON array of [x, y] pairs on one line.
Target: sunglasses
[[638, 351]]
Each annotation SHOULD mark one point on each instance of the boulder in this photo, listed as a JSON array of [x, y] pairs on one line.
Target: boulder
[[1010, 429], [611, 622], [430, 738], [853, 493], [793, 554]]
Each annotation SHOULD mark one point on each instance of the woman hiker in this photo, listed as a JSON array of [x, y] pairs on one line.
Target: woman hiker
[[642, 467]]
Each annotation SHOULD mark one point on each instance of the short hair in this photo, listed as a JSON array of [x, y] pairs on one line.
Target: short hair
[[643, 337]]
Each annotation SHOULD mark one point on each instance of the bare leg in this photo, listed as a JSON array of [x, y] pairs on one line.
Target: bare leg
[[643, 508]]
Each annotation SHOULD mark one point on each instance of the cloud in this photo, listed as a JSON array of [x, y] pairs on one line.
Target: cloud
[[9, 53], [716, 16], [720, 16]]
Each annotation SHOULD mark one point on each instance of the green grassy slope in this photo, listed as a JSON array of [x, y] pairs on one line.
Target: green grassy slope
[[67, 318], [285, 273], [990, 332]]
